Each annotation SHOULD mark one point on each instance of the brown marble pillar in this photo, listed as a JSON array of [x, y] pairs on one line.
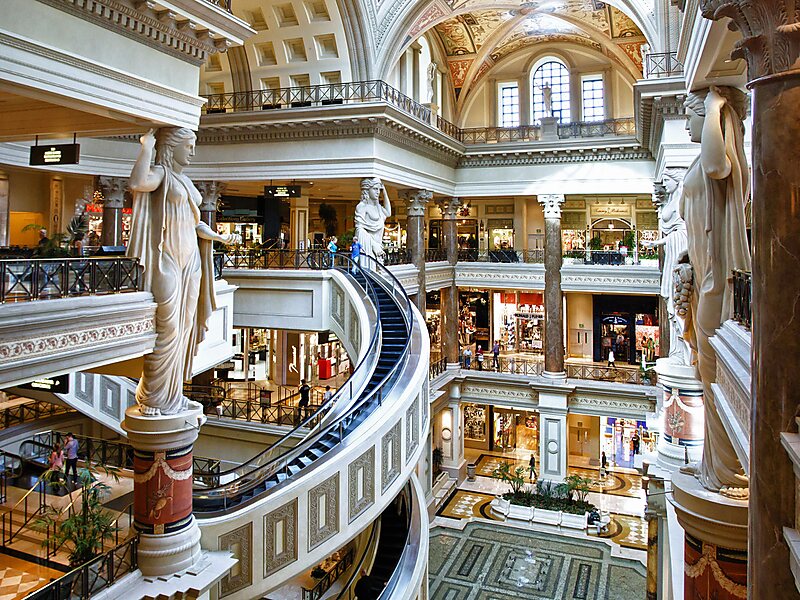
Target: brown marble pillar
[[450, 228], [415, 238], [449, 210], [113, 189], [771, 48], [553, 313], [211, 191]]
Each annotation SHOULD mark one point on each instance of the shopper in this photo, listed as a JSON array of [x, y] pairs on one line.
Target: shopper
[[496, 355], [479, 357], [467, 357], [611, 358], [635, 440], [305, 391], [603, 465], [71, 449], [57, 458], [332, 249], [532, 467], [355, 253], [327, 395]]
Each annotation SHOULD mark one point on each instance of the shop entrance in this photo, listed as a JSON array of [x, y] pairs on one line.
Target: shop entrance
[[628, 325], [625, 439], [518, 321], [515, 430]]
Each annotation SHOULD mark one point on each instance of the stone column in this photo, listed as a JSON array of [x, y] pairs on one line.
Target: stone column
[[113, 189], [415, 238], [4, 204], [553, 314], [298, 222], [211, 191], [771, 48], [450, 294], [680, 405], [169, 538], [452, 441]]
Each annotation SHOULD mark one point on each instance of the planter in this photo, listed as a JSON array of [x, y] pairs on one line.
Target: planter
[[549, 517], [574, 521], [500, 506], [521, 513], [471, 467]]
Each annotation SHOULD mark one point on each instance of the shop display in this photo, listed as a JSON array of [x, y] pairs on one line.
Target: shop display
[[475, 422], [573, 240], [519, 321], [515, 430]]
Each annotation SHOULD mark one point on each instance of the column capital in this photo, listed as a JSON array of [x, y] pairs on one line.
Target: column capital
[[449, 207], [113, 189], [416, 199], [211, 192], [552, 205], [770, 43]]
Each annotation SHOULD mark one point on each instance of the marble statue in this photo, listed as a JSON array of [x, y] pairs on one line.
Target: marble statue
[[430, 92], [371, 216], [715, 191], [673, 240], [175, 250], [547, 96]]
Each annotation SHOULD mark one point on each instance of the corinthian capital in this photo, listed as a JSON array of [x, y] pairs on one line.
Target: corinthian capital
[[211, 191], [416, 199], [552, 205], [113, 189], [449, 207], [770, 32]]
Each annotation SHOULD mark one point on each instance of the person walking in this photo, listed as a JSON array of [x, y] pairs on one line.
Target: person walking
[[305, 391], [71, 449], [496, 355], [56, 458], [532, 467], [635, 441], [467, 357], [327, 395], [355, 253], [479, 357], [611, 359], [332, 249], [603, 465]]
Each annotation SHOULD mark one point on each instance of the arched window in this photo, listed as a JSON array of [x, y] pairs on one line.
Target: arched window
[[551, 73]]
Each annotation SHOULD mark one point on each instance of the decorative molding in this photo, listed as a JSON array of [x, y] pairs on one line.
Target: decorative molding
[[390, 456], [530, 155], [337, 305], [322, 527], [416, 200], [610, 406], [524, 393], [279, 552], [412, 428], [361, 470], [240, 543]]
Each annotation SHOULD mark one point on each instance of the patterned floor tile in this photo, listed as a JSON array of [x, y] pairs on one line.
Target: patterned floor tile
[[627, 531], [464, 504]]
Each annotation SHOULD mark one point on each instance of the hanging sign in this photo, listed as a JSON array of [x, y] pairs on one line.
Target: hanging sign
[[58, 154], [281, 191], [57, 385]]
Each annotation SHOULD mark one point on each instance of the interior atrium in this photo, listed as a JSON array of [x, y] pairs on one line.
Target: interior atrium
[[399, 299]]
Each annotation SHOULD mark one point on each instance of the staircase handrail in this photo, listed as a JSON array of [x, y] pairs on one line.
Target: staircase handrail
[[281, 462], [8, 533]]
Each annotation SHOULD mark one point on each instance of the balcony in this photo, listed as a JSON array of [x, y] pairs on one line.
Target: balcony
[[662, 64]]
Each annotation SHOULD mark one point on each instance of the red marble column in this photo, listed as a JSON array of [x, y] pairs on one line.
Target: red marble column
[[162, 500], [713, 573]]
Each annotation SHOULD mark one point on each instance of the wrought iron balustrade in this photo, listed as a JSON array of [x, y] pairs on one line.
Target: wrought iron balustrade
[[331, 575], [499, 135], [601, 373], [437, 367], [435, 254], [31, 411], [397, 256], [51, 278], [592, 129], [742, 301], [662, 64]]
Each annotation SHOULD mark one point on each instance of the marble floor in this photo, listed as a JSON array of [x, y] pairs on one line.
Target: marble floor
[[494, 561], [18, 578]]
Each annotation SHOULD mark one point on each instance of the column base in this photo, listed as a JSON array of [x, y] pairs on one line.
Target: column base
[[559, 376], [169, 554], [680, 409]]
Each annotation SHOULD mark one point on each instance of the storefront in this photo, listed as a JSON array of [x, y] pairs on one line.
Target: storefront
[[473, 321], [433, 319], [624, 439], [394, 235], [94, 214], [476, 426], [243, 216], [628, 325], [500, 429], [466, 234], [501, 234], [518, 321]]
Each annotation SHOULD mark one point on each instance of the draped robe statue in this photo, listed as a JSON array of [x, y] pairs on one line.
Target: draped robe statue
[[175, 250], [371, 217]]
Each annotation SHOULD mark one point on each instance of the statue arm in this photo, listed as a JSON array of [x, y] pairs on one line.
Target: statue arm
[[662, 241], [712, 147], [205, 232], [145, 178], [387, 206]]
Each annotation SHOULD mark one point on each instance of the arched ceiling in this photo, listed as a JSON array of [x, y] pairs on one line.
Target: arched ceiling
[[476, 38]]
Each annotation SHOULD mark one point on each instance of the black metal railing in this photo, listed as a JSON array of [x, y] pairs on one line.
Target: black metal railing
[[257, 258], [435, 254], [437, 367], [662, 64], [397, 256], [380, 91], [501, 256], [31, 411], [219, 261], [601, 373], [331, 575], [263, 412], [742, 303], [47, 279], [93, 576], [535, 366]]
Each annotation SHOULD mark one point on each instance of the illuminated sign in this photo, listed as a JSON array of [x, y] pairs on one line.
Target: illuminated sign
[[282, 191], [57, 385], [98, 209], [59, 154]]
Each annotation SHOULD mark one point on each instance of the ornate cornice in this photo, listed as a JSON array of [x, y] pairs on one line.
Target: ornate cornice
[[417, 200], [770, 32], [638, 407], [654, 111], [549, 157]]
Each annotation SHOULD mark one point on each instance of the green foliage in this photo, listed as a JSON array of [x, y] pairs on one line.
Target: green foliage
[[346, 239], [578, 487], [83, 525], [628, 240], [515, 478], [557, 497], [595, 243], [437, 456], [329, 217]]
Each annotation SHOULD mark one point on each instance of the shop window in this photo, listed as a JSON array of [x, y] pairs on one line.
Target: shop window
[[475, 422], [593, 98], [518, 321], [508, 105], [552, 74]]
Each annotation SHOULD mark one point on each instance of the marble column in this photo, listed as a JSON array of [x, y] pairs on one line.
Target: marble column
[[4, 204], [415, 238], [113, 189], [211, 192], [298, 223], [553, 314], [449, 294], [771, 48]]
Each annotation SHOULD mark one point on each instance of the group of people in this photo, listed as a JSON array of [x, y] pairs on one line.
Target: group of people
[[480, 357], [333, 248], [68, 454]]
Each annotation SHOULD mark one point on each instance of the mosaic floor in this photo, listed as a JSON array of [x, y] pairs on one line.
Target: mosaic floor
[[465, 504], [486, 562], [625, 530]]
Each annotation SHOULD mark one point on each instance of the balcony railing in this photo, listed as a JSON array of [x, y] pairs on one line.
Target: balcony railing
[[435, 254], [380, 91], [437, 367], [502, 256], [335, 570], [742, 289], [31, 411], [535, 366], [397, 256], [662, 64], [47, 279]]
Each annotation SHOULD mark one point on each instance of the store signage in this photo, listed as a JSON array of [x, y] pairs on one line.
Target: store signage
[[611, 211], [57, 385], [58, 154], [98, 209], [281, 191]]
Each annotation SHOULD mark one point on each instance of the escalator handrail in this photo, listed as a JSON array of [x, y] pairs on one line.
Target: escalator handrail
[[237, 488], [368, 548], [372, 349], [413, 539]]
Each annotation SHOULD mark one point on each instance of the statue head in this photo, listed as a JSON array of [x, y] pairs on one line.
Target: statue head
[[370, 188], [174, 146], [695, 106], [672, 179]]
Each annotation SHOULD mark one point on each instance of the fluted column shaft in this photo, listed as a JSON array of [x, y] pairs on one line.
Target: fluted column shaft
[[553, 314]]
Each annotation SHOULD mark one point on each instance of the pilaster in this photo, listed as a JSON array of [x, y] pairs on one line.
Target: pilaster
[[451, 433], [298, 223], [553, 451]]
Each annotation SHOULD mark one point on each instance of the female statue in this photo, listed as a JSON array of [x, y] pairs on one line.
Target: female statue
[[371, 217], [673, 239], [165, 231], [715, 191]]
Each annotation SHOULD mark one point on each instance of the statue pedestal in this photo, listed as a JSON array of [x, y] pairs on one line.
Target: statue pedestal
[[715, 540], [549, 128], [680, 408], [169, 538]]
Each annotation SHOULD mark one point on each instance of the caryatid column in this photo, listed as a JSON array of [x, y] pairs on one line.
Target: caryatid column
[[415, 238], [771, 46], [113, 189], [450, 294], [211, 192], [553, 314]]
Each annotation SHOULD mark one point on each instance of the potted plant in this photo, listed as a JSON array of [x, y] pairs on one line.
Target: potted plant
[[520, 505], [437, 456]]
